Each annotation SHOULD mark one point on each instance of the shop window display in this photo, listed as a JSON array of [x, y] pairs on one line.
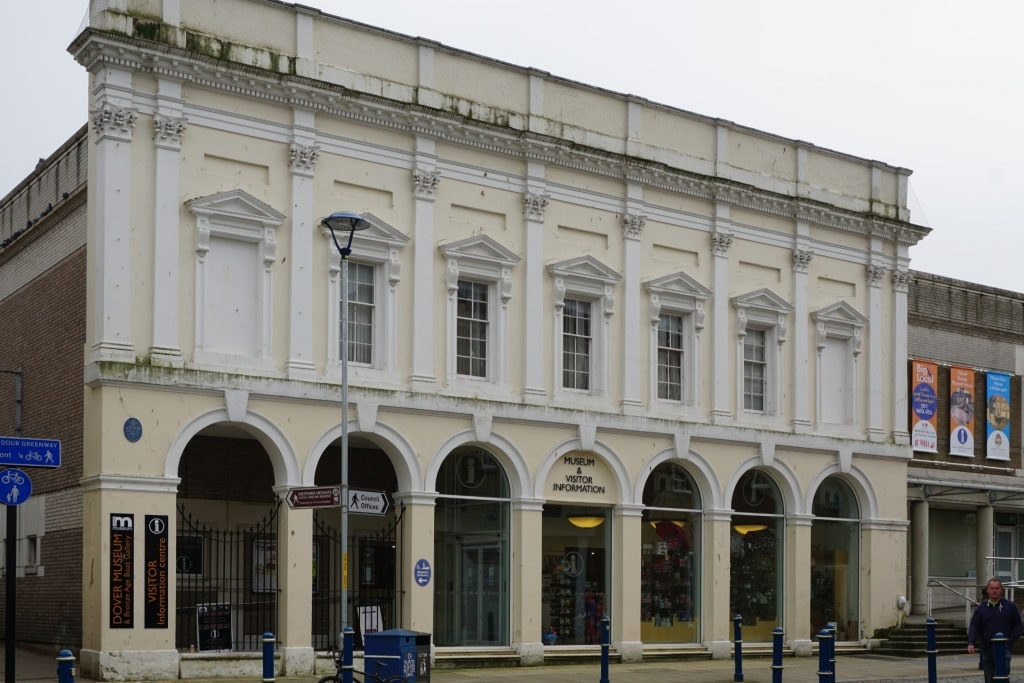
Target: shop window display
[[575, 574]]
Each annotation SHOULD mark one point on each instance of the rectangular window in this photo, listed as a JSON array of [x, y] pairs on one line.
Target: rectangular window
[[755, 369], [361, 310], [670, 357], [577, 341], [471, 329]]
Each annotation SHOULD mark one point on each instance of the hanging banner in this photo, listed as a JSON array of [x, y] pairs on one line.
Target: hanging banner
[[961, 412], [998, 416], [924, 407]]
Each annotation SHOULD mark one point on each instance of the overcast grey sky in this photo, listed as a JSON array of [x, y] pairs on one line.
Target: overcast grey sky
[[929, 85]]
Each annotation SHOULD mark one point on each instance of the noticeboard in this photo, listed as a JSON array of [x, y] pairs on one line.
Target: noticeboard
[[213, 626]]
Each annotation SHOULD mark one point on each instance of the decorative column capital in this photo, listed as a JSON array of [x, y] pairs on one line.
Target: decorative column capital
[[304, 158], [901, 279], [425, 183], [633, 225], [168, 131], [534, 205], [802, 259], [720, 243], [875, 274], [114, 122]]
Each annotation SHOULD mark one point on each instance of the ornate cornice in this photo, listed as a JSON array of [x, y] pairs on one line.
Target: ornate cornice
[[499, 131]]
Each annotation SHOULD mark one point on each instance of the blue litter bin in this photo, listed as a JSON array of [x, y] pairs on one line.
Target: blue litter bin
[[402, 652]]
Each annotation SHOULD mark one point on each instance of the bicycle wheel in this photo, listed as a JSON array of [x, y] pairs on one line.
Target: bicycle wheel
[[330, 679]]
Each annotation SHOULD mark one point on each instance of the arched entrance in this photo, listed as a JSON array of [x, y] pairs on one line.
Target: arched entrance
[[757, 557], [835, 560]]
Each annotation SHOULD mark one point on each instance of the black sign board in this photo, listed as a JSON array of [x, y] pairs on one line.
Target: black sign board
[[213, 624], [157, 550], [122, 570]]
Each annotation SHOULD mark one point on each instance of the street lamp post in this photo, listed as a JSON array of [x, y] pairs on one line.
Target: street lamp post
[[350, 222]]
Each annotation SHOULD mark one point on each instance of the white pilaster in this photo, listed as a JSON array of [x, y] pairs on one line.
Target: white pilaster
[[632, 330], [113, 117], [900, 352], [721, 340], [304, 154], [168, 127], [535, 202], [876, 382], [425, 180], [801, 315]]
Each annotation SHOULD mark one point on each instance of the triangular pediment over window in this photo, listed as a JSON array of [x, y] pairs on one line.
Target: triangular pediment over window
[[585, 267], [840, 313], [679, 285], [479, 248], [762, 300], [236, 205], [380, 232]]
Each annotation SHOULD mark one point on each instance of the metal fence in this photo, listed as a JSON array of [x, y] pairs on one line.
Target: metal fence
[[226, 584], [375, 577]]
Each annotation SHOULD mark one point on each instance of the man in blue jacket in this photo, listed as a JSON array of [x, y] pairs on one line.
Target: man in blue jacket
[[992, 616]]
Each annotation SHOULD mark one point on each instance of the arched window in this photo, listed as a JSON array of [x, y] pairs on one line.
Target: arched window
[[756, 549], [471, 550], [835, 560], [670, 540]]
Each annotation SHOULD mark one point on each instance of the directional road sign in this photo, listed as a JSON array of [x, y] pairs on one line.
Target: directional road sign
[[14, 450], [367, 502], [314, 497]]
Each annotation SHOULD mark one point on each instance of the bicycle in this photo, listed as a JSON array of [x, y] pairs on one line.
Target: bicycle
[[366, 676]]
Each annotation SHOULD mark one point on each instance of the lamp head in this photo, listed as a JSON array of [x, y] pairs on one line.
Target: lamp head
[[347, 221]]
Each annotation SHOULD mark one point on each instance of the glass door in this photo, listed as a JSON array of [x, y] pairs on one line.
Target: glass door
[[483, 584]]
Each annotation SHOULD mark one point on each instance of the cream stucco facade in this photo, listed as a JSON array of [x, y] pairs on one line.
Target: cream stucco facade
[[217, 145]]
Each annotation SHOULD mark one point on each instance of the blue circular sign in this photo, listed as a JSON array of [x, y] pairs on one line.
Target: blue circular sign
[[924, 401], [132, 429], [15, 486], [421, 572]]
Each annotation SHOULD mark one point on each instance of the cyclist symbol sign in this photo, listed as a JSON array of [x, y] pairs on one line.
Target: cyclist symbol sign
[[15, 487]]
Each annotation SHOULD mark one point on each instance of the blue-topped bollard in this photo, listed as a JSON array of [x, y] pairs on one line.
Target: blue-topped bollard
[[1001, 670], [825, 674], [932, 650], [832, 650], [777, 634], [348, 638], [606, 639], [737, 632], [65, 667], [268, 657]]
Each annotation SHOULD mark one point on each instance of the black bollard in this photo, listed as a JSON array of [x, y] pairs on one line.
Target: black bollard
[[737, 631], [933, 651], [825, 674], [777, 633], [1002, 670], [606, 639]]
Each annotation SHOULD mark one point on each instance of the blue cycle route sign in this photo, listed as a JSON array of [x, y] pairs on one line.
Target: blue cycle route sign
[[15, 487], [14, 450]]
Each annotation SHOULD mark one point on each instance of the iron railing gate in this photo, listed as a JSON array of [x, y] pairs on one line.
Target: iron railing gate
[[374, 584], [226, 583]]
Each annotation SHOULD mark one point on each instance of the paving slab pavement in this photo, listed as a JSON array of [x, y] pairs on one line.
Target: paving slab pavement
[[33, 665]]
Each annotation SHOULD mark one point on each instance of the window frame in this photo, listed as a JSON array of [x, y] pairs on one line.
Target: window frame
[[482, 260], [765, 311], [681, 295], [587, 279], [839, 324], [380, 247]]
